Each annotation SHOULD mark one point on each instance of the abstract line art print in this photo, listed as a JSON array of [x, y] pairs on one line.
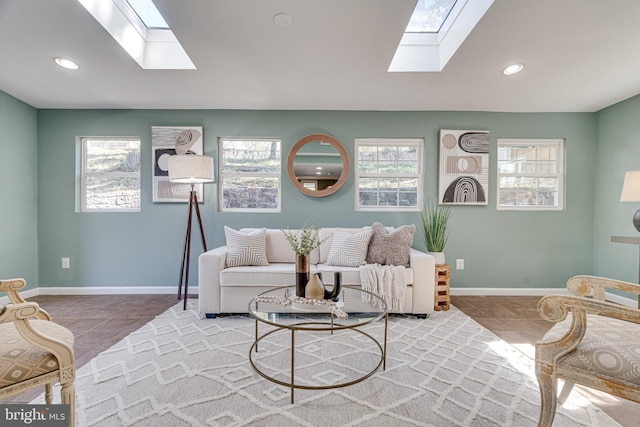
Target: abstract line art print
[[464, 167], [167, 141]]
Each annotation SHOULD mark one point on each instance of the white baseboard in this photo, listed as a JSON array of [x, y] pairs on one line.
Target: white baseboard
[[102, 290], [115, 290], [629, 302], [503, 292], [165, 290]]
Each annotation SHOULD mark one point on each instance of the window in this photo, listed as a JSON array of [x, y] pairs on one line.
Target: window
[[148, 13], [434, 33], [429, 15], [110, 178], [530, 174], [388, 174], [250, 174], [142, 32]]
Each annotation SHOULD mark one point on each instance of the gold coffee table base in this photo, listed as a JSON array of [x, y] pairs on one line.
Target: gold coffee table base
[[329, 327]]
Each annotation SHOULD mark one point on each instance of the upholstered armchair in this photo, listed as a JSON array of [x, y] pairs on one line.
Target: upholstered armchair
[[34, 351], [595, 344]]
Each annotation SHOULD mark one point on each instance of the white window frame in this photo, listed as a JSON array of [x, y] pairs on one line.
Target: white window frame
[[419, 175], [223, 175], [84, 175], [558, 144]]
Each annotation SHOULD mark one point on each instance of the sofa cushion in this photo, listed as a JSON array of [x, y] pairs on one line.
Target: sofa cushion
[[349, 250], [246, 248], [350, 275], [272, 275], [390, 247], [282, 274]]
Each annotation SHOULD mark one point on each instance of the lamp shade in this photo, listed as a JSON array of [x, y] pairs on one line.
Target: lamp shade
[[190, 169], [631, 187]]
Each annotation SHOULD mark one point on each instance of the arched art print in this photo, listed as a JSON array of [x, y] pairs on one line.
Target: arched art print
[[464, 167]]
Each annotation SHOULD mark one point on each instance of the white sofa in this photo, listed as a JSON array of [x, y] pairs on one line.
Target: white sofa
[[229, 290]]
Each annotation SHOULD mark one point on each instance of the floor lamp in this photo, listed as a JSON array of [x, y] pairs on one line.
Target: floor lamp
[[631, 193], [190, 169]]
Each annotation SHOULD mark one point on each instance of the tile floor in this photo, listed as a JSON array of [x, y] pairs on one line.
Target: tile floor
[[100, 321], [516, 321]]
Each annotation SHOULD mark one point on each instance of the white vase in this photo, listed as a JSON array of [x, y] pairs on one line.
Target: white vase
[[439, 256]]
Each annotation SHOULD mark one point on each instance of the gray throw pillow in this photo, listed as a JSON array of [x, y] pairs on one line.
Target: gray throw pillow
[[390, 247]]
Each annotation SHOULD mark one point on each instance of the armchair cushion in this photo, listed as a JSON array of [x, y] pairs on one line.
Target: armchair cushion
[[20, 360], [610, 348]]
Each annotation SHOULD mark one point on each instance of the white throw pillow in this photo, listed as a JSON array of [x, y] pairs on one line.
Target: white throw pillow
[[349, 250], [246, 249]]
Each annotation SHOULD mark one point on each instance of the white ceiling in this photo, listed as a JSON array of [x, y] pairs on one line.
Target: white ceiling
[[580, 55]]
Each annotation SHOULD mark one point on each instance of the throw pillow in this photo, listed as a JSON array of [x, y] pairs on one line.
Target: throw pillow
[[390, 247], [349, 250], [246, 249]]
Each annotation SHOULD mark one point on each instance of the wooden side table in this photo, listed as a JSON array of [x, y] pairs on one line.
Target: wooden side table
[[442, 300]]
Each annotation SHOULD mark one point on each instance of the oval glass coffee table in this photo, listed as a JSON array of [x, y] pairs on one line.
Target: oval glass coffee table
[[334, 348]]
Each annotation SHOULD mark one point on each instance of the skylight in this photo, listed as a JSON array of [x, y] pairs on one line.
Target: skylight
[[435, 31], [148, 13], [429, 15], [142, 32]]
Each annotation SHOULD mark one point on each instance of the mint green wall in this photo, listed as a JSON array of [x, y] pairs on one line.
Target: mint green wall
[[18, 190], [618, 152], [501, 249]]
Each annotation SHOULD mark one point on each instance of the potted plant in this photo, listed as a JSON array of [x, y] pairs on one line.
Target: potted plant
[[434, 220], [303, 242]]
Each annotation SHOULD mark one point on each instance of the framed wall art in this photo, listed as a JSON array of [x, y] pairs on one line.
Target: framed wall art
[[464, 167], [167, 141]]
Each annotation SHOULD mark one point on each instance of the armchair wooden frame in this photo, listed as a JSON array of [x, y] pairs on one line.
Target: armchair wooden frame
[[550, 355], [27, 318]]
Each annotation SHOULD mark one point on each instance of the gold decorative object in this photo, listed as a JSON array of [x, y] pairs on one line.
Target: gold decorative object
[[314, 288]]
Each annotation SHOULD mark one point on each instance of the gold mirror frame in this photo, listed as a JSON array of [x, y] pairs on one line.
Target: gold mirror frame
[[323, 138]]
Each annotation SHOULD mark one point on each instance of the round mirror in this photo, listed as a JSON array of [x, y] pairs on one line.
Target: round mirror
[[318, 165]]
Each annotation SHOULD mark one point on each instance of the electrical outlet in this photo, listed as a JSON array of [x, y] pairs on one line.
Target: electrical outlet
[[460, 264], [66, 263]]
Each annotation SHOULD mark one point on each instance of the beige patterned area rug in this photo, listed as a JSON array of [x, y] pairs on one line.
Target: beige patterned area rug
[[180, 370]]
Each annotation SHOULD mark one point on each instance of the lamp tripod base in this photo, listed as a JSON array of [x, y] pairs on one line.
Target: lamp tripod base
[[186, 248]]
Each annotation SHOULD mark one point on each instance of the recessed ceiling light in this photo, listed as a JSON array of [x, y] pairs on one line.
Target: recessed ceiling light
[[512, 69], [282, 20], [66, 63]]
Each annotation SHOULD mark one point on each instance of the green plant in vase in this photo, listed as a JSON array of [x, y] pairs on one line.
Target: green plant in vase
[[303, 242], [435, 219]]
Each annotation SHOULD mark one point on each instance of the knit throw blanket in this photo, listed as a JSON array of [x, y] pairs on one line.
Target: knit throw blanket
[[387, 281]]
